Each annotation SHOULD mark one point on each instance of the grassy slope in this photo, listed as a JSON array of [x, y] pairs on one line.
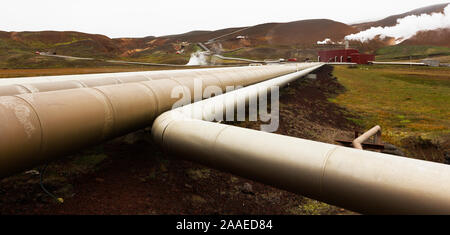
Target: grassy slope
[[404, 101], [16, 55], [405, 52], [20, 54]]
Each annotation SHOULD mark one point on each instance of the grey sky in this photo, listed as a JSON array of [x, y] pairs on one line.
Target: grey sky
[[133, 18]]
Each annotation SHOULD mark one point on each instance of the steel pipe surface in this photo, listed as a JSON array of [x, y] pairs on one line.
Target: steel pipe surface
[[362, 181], [37, 127], [16, 86]]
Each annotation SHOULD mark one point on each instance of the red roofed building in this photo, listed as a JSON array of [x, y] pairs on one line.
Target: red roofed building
[[345, 56]]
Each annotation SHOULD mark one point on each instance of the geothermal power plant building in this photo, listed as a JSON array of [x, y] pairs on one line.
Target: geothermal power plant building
[[345, 56]]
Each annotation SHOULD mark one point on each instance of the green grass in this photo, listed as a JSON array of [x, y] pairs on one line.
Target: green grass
[[312, 207], [403, 52], [90, 161], [86, 162], [405, 101]]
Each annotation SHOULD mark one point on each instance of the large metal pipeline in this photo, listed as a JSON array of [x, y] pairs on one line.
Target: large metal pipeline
[[37, 127], [362, 181], [20, 80], [15, 86]]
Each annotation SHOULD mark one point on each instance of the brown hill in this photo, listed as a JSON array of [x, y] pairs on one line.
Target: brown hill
[[440, 37], [304, 32], [65, 42], [392, 20], [287, 34], [307, 32], [271, 40]]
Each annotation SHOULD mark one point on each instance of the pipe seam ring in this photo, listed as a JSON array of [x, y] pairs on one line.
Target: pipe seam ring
[[83, 85], [154, 95], [218, 135], [164, 132], [324, 166], [111, 109], [24, 87], [185, 88], [39, 120]]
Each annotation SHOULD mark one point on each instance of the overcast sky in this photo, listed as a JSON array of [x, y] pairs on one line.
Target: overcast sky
[[133, 18]]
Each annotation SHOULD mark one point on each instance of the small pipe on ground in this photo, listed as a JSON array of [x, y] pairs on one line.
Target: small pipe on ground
[[357, 143]]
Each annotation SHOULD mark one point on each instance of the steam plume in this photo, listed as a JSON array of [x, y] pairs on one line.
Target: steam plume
[[324, 42], [406, 27], [198, 58]]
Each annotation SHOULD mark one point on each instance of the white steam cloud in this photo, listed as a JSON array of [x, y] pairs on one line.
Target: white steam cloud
[[198, 58], [406, 27], [324, 42]]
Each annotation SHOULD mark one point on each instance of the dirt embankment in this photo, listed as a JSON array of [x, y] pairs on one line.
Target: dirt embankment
[[131, 175], [305, 111]]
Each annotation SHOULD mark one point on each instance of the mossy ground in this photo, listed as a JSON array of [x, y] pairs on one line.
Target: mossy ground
[[405, 101]]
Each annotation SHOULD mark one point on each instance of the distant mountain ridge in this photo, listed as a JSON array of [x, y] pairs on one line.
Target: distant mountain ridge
[[81, 44], [392, 20], [259, 41]]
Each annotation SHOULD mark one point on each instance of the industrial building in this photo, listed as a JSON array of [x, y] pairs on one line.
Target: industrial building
[[345, 55]]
